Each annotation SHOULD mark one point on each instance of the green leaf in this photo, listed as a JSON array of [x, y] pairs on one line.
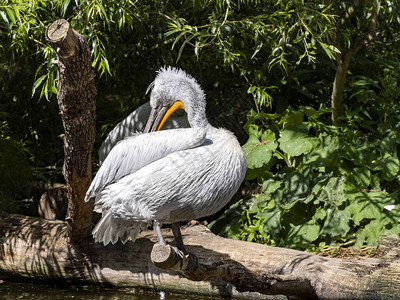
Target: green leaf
[[272, 223], [11, 15], [362, 176], [37, 83], [389, 164], [3, 15], [302, 234], [261, 174], [388, 160], [337, 223], [326, 154], [320, 214], [371, 232], [296, 187], [292, 118], [366, 205], [184, 44], [356, 153], [312, 113], [103, 11], [268, 135], [259, 201], [270, 186], [227, 223], [328, 50], [332, 192], [365, 81], [259, 46], [177, 39], [259, 153], [64, 7], [294, 140], [106, 64]]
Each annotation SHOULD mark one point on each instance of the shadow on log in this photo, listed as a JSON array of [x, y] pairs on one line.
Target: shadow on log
[[36, 248]]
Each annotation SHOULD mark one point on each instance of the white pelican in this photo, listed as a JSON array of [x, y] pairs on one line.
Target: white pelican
[[135, 122], [167, 176]]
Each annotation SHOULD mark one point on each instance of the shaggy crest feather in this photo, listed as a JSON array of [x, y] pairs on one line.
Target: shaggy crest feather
[[171, 74]]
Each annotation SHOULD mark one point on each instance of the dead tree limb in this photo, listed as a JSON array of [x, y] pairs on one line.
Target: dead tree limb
[[37, 248], [76, 95]]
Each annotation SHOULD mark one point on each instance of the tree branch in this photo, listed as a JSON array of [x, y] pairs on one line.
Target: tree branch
[[369, 37]]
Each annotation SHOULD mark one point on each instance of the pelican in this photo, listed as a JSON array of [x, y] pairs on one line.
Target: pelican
[[168, 176], [135, 122]]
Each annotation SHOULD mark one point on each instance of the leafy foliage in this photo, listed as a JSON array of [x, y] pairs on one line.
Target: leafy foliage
[[328, 185]]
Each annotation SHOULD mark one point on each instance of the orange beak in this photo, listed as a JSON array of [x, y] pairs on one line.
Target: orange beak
[[158, 116]]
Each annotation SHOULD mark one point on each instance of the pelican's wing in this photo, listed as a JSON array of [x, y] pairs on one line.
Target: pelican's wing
[[137, 151], [135, 122]]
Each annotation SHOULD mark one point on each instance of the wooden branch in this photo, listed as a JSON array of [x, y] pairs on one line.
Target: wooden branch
[[76, 96], [37, 248], [374, 18], [368, 38]]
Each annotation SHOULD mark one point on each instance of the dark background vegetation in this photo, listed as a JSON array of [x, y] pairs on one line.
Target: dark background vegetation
[[270, 71]]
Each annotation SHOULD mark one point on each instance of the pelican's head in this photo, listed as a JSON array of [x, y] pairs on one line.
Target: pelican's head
[[171, 90]]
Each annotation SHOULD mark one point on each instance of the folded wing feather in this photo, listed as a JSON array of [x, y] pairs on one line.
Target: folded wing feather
[[137, 151]]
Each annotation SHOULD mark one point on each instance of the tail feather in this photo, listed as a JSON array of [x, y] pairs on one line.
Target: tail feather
[[133, 233], [103, 230], [107, 231]]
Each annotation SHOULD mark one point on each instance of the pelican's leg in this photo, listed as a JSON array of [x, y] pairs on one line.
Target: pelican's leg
[[157, 229], [176, 230], [165, 259], [193, 262]]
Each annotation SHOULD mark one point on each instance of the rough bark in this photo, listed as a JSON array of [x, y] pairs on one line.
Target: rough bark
[[76, 94], [37, 248]]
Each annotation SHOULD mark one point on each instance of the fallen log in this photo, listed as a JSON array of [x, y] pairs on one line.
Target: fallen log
[[39, 249]]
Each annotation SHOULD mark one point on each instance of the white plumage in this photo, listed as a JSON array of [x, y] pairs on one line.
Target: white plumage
[[134, 123], [167, 176]]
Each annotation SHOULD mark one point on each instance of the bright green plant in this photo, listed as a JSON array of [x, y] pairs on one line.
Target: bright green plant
[[320, 184]]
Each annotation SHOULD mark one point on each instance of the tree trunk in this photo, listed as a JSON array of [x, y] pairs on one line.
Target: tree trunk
[[343, 59], [337, 95], [76, 94], [37, 248]]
